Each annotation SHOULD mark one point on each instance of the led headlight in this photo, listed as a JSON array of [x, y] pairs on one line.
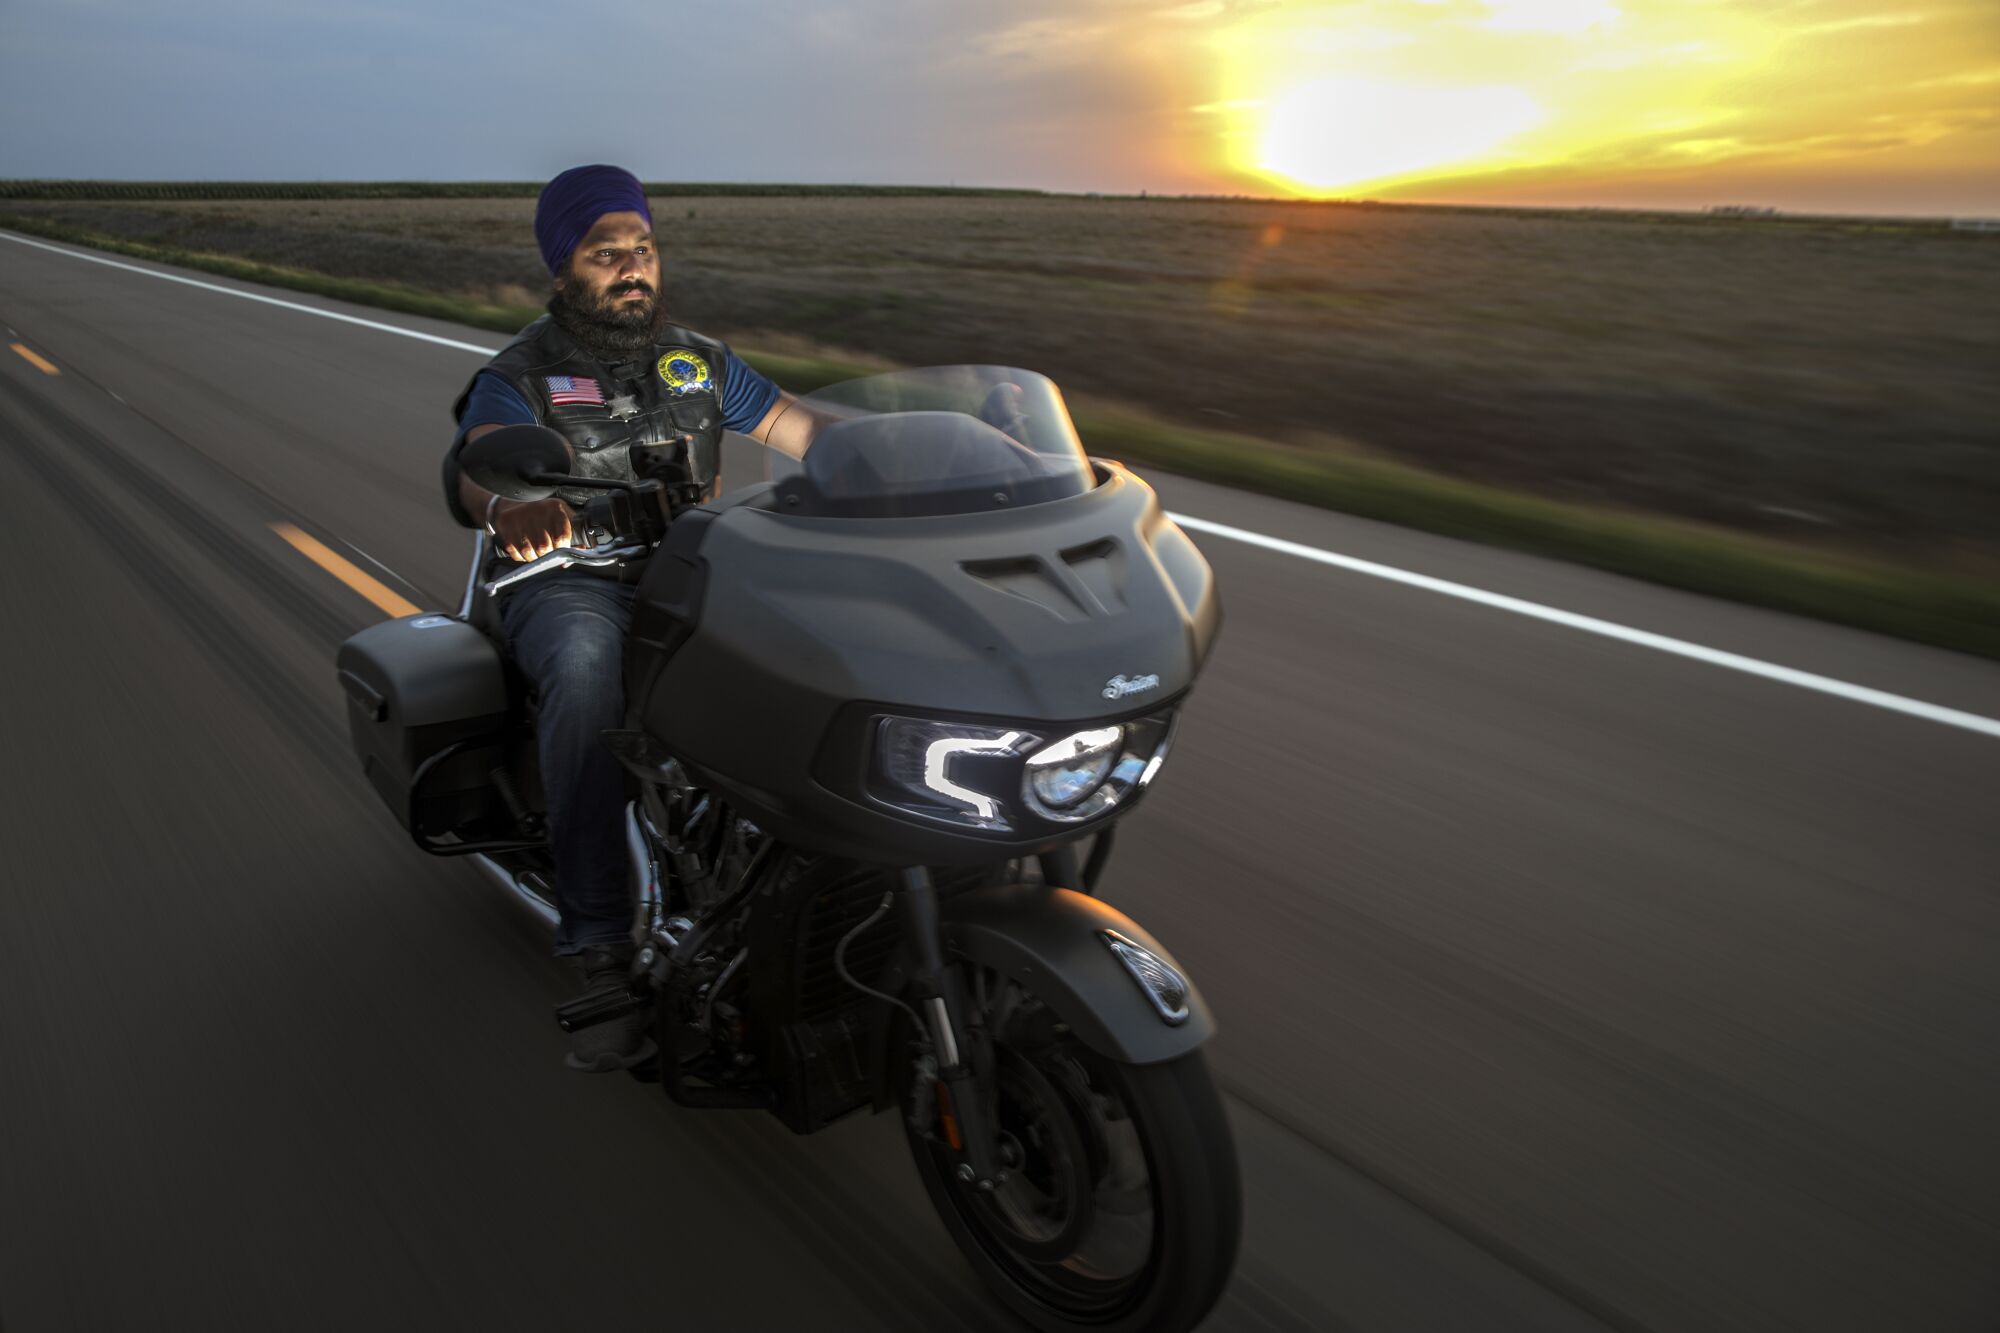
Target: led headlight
[[1062, 774], [1009, 779], [951, 770], [1084, 775]]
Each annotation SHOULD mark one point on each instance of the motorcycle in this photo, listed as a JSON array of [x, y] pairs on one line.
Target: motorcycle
[[884, 711]]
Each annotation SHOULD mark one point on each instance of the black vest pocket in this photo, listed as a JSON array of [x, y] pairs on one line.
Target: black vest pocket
[[588, 432], [696, 414]]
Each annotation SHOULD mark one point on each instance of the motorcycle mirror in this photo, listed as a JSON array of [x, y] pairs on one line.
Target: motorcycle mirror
[[508, 461]]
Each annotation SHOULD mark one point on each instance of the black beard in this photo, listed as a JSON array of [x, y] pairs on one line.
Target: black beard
[[603, 326]]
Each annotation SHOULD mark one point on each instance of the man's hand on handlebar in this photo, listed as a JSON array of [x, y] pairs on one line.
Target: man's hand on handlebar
[[526, 530]]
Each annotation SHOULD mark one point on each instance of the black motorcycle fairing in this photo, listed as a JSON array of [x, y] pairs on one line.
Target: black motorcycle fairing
[[762, 629]]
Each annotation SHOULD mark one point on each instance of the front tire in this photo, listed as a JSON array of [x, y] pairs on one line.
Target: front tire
[[1122, 1209]]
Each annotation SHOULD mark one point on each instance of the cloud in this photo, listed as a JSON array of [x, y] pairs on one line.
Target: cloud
[[1550, 16], [1051, 37], [1651, 57], [1902, 19], [1971, 78], [1197, 11]]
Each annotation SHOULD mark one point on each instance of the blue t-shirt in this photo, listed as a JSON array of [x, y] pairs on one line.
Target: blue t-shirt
[[746, 397]]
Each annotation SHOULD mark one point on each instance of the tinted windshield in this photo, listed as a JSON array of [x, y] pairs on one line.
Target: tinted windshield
[[936, 440]]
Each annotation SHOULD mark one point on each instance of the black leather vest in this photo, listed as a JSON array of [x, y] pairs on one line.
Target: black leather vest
[[624, 420]]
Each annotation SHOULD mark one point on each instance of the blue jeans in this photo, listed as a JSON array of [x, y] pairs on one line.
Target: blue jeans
[[567, 633]]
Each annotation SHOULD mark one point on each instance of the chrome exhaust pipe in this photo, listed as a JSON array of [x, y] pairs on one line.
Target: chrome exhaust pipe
[[643, 870], [645, 873], [541, 907]]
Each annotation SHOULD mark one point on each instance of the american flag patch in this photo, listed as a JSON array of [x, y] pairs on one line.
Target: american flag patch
[[573, 389]]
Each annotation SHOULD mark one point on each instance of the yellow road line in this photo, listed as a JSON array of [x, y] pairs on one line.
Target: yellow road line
[[46, 367], [345, 570]]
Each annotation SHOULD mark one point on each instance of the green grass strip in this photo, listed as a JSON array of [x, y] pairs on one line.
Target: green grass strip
[[1912, 603], [1927, 606]]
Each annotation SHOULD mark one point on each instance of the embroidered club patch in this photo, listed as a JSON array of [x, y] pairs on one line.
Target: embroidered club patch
[[685, 372], [573, 389]]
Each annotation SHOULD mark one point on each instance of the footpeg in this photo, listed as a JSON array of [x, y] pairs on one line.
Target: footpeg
[[590, 1010]]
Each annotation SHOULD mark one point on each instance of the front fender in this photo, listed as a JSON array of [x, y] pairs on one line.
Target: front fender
[[1052, 942]]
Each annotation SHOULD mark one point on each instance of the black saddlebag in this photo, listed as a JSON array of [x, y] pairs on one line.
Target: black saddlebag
[[427, 708]]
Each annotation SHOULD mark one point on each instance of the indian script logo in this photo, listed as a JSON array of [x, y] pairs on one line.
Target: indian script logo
[[1120, 686]]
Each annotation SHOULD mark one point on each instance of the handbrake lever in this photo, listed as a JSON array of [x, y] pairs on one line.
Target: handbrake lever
[[562, 558]]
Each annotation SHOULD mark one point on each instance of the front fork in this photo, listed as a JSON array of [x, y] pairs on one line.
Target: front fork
[[959, 1047]]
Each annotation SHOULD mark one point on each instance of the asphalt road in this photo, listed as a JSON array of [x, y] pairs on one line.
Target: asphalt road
[[1564, 983]]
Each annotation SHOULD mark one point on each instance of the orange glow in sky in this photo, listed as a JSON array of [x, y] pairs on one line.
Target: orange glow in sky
[[1864, 105]]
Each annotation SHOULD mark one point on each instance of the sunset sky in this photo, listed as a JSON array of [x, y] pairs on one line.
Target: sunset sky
[[1830, 105], [1815, 101]]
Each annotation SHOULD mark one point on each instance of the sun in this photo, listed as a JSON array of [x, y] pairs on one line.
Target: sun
[[1339, 133]]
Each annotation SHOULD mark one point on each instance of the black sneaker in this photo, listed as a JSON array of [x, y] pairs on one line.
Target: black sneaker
[[617, 1043]]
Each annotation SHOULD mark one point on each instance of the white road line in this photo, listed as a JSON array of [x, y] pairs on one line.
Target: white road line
[[1805, 680]]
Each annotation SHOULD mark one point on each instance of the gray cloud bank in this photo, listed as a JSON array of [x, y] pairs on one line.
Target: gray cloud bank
[[883, 91]]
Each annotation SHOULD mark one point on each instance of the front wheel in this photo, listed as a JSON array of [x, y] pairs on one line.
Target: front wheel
[[1121, 1208]]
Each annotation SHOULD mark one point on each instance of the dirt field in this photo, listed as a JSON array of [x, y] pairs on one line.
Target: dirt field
[[1809, 380]]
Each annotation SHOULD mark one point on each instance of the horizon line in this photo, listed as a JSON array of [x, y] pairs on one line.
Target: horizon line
[[1731, 211]]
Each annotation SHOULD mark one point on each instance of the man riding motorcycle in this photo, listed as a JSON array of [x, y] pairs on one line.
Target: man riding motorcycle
[[628, 389]]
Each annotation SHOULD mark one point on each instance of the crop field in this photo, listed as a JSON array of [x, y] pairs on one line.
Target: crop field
[[1827, 382]]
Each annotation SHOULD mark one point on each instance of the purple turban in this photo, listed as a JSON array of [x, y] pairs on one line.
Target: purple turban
[[572, 203]]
